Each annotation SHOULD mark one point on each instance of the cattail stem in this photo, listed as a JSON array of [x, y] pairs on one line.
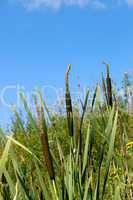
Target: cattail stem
[[44, 140], [69, 104], [109, 86]]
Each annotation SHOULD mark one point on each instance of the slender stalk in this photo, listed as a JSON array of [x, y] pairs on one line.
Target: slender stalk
[[69, 104], [44, 140], [109, 85]]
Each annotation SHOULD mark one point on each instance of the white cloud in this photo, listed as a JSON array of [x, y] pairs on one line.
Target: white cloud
[[99, 5], [56, 4], [35, 4], [80, 3]]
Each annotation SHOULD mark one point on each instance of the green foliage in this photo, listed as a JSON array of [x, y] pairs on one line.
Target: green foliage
[[40, 160]]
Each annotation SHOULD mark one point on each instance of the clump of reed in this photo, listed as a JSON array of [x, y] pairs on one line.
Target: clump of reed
[[96, 167]]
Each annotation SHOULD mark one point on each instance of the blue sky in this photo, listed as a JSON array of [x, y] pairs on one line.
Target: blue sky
[[38, 38]]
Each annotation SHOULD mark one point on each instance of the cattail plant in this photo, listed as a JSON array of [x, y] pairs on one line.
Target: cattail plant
[[44, 139], [109, 86], [69, 104], [94, 164]]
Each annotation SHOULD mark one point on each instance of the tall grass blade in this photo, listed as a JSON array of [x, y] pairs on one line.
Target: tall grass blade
[[110, 152], [85, 156]]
